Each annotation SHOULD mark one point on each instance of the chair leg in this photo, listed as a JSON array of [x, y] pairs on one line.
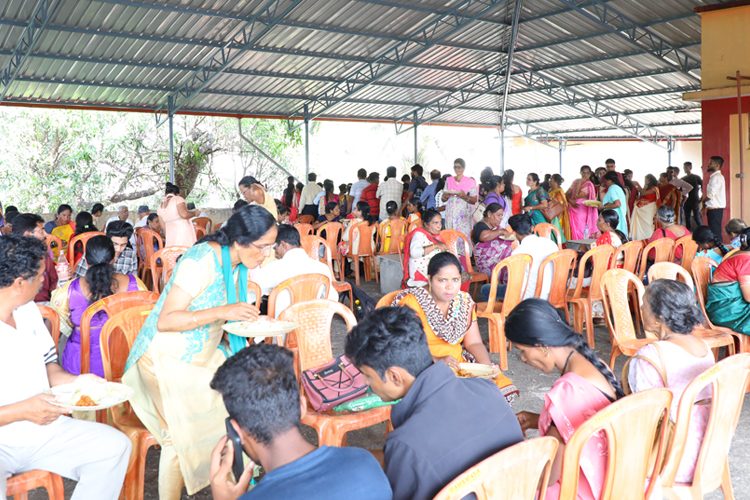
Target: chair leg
[[586, 305], [726, 482], [577, 318], [503, 351], [355, 261], [494, 340], [613, 356]]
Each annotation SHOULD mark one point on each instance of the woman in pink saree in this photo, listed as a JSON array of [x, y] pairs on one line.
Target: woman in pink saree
[[586, 386], [580, 215], [490, 245]]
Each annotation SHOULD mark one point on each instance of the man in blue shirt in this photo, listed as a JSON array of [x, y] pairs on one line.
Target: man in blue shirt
[[428, 195], [262, 397], [438, 433]]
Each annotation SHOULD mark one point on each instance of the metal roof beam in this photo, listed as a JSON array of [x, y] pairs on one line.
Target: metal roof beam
[[594, 109], [419, 8], [26, 43], [611, 97], [445, 26], [247, 36], [595, 129], [644, 111], [639, 36], [536, 134]]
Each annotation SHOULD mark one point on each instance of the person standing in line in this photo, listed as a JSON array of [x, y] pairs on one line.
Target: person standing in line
[[692, 204], [460, 195], [685, 188], [610, 164], [417, 184], [428, 195], [307, 198], [369, 194], [715, 200], [391, 190], [288, 195], [355, 192]]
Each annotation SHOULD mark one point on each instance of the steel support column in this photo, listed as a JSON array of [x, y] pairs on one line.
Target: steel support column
[[171, 145], [416, 137], [307, 146], [502, 150], [560, 148], [509, 61]]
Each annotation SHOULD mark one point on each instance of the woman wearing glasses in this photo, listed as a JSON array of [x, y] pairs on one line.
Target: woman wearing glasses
[[182, 344]]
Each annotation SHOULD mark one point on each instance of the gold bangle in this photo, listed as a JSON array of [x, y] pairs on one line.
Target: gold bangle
[[195, 320]]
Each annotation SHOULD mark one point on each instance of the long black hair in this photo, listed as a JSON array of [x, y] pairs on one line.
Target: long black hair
[[84, 223], [651, 182], [441, 183], [592, 175], [364, 207], [247, 225], [328, 186], [612, 218], [536, 322], [612, 176], [100, 276], [414, 200], [391, 207], [171, 189], [441, 260], [508, 180], [704, 236]]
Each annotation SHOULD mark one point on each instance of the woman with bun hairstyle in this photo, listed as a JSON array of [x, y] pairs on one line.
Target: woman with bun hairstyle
[[84, 224], [175, 219], [71, 300], [586, 385], [181, 345]]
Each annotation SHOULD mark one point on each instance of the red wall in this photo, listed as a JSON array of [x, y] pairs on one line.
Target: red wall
[[716, 137]]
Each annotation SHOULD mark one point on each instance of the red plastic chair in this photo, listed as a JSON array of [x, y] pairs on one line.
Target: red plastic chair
[[161, 273], [200, 232], [54, 318], [19, 485], [452, 238], [365, 251], [545, 230], [563, 263], [83, 238], [583, 300], [312, 244], [313, 341], [204, 222], [116, 339], [301, 288], [147, 241], [305, 229]]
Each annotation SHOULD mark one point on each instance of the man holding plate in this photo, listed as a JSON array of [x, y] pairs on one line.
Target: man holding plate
[[33, 432]]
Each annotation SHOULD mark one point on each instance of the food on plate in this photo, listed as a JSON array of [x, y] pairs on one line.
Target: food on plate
[[592, 203], [85, 400]]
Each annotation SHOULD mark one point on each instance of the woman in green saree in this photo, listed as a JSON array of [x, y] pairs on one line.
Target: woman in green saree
[[536, 200], [180, 346], [728, 301]]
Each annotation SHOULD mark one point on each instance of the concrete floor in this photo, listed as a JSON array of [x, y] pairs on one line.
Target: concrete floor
[[533, 385]]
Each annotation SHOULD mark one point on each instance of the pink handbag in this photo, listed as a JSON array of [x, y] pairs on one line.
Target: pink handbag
[[336, 382]]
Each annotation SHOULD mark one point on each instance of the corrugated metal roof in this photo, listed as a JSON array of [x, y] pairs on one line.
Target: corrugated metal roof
[[132, 54]]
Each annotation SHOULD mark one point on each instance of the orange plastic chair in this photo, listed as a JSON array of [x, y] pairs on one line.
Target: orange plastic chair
[[615, 290], [496, 311], [701, 269], [54, 318], [628, 451], [313, 341], [631, 252], [689, 250], [583, 300], [333, 232], [452, 238], [394, 231], [669, 271], [311, 244], [305, 219], [663, 247], [161, 273], [728, 379], [387, 299], [19, 485], [110, 305], [515, 473], [301, 288], [365, 251], [305, 229], [146, 239], [200, 232], [414, 225], [83, 238], [563, 262], [52, 238], [545, 230], [205, 223], [116, 339]]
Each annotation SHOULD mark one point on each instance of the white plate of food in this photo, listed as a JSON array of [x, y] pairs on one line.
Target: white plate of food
[[90, 396], [592, 203], [264, 327], [476, 370]]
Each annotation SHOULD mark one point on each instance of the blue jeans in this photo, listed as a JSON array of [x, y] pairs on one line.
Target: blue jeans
[[486, 289]]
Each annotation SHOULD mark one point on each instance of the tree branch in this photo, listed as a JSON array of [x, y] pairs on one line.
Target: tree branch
[[133, 195]]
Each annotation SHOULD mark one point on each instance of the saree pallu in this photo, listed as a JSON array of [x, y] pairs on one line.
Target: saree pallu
[[563, 220], [533, 199], [642, 221], [489, 253], [583, 215], [727, 307]]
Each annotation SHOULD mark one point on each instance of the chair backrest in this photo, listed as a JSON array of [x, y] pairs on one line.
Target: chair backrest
[[514, 473], [83, 238], [147, 237], [387, 299], [728, 379], [160, 273], [300, 289], [631, 255], [311, 245], [305, 219], [453, 239], [367, 233], [563, 263], [204, 222], [628, 450], [545, 230], [52, 238], [669, 271], [414, 225], [54, 318], [110, 305], [395, 229], [615, 285], [116, 338], [701, 268], [200, 232], [689, 249], [305, 229], [601, 256], [333, 233], [663, 248], [313, 335], [518, 267]]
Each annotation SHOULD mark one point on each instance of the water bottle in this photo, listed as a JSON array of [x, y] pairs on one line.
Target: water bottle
[[357, 306], [586, 232], [63, 269]]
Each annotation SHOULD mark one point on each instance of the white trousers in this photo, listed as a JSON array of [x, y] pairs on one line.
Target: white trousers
[[95, 455]]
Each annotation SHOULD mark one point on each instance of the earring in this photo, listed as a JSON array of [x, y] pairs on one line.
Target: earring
[[545, 351]]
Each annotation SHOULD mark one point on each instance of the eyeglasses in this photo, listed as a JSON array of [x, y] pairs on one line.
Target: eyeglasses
[[265, 248]]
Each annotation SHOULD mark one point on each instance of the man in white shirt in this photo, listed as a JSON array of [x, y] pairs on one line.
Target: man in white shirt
[[122, 214], [291, 260], [390, 190], [307, 197], [35, 434], [530, 244], [356, 190], [143, 213], [715, 200]]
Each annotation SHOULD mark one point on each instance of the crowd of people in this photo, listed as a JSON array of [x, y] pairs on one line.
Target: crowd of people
[[189, 375]]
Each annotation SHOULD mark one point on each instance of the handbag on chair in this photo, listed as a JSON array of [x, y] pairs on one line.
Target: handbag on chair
[[336, 382]]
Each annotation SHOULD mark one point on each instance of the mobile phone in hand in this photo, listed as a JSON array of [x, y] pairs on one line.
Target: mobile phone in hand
[[237, 465]]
